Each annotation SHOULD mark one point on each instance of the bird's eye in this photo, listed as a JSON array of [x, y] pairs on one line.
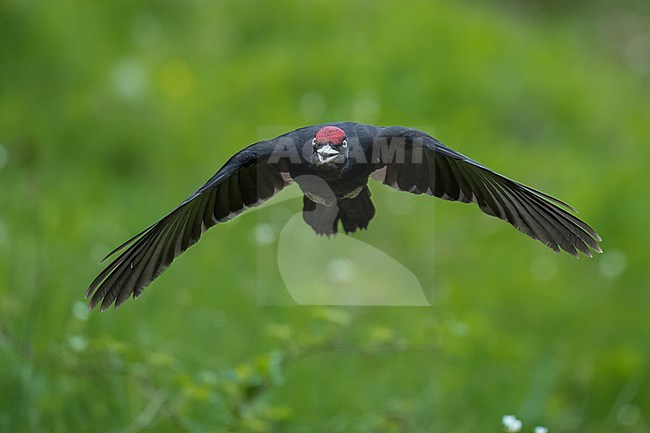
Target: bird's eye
[[345, 143], [313, 142]]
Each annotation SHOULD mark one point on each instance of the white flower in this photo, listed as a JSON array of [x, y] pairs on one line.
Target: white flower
[[512, 424], [540, 429]]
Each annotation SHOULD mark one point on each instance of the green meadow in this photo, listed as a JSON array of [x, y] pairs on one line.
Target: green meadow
[[112, 113]]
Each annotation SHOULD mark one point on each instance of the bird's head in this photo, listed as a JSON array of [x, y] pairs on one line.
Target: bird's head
[[330, 147]]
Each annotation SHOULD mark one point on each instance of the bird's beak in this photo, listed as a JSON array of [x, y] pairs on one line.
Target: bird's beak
[[327, 154]]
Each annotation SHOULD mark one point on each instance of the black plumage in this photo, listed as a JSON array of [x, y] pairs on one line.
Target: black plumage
[[332, 164]]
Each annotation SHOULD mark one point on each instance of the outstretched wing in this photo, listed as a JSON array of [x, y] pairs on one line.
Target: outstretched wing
[[246, 180], [415, 162]]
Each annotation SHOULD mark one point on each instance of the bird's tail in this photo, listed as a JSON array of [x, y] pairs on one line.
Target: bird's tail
[[353, 213]]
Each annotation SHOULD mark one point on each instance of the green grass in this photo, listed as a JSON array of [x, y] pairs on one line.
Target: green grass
[[112, 113]]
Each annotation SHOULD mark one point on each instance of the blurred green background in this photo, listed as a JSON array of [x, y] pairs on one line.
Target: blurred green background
[[111, 113]]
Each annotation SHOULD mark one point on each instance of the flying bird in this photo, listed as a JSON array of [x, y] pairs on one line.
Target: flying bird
[[332, 164]]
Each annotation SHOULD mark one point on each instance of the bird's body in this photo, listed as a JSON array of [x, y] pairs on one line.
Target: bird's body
[[332, 165]]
